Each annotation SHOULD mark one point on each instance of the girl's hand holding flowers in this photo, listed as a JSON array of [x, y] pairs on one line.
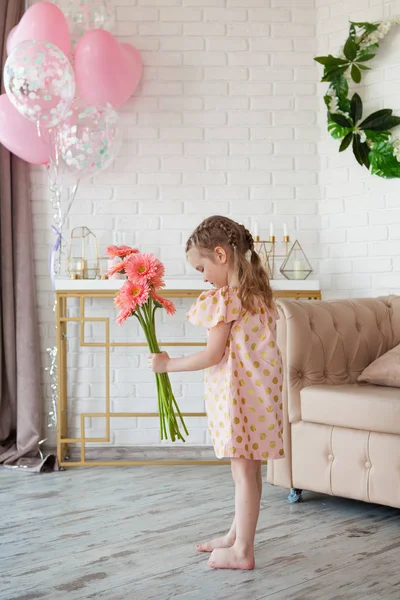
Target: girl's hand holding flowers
[[158, 363]]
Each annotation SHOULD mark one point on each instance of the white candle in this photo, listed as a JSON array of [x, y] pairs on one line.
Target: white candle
[[271, 230], [285, 230], [298, 268], [256, 229]]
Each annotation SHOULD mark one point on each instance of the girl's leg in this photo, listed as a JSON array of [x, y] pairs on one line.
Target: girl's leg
[[227, 540], [259, 479], [246, 474]]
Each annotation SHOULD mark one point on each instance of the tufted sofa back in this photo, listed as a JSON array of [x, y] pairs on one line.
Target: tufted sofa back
[[333, 342]]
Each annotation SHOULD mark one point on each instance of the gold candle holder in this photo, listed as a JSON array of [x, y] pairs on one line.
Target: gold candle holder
[[267, 251], [286, 241]]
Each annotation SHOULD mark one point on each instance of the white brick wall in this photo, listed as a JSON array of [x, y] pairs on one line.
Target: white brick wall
[[359, 213], [225, 121]]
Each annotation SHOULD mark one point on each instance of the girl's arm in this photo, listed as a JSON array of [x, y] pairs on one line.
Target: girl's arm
[[212, 355]]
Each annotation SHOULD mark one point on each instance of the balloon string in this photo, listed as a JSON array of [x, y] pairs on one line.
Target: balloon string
[[74, 191], [56, 245]]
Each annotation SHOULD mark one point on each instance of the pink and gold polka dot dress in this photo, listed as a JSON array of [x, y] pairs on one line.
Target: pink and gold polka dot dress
[[243, 392]]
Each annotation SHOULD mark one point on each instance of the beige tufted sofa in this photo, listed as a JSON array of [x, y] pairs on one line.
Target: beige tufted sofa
[[341, 437]]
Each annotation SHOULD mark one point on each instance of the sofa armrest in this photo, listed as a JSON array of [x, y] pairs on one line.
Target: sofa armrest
[[333, 342]]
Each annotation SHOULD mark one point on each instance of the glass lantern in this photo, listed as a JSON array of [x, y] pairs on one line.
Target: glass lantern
[[83, 255], [296, 266], [265, 251]]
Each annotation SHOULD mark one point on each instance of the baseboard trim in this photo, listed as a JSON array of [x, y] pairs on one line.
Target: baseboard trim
[[125, 453]]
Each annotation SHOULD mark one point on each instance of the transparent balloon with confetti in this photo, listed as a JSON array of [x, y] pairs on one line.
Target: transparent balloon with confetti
[[85, 15], [89, 139], [40, 82]]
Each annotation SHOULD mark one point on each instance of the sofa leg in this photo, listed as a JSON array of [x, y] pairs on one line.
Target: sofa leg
[[295, 495]]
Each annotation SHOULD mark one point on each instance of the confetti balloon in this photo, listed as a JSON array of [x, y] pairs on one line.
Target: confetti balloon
[[40, 82], [85, 15], [89, 139]]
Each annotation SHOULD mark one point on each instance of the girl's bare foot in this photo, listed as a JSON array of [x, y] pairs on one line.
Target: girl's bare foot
[[231, 558], [225, 541]]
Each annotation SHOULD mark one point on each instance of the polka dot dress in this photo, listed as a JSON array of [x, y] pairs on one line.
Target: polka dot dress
[[244, 391]]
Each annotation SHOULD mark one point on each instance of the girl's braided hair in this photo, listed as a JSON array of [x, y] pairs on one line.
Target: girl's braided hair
[[237, 241]]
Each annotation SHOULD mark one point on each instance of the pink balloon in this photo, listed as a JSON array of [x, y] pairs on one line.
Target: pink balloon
[[19, 135], [135, 61], [105, 71], [42, 21], [10, 44]]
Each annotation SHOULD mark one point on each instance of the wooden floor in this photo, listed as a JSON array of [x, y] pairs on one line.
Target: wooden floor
[[129, 534]]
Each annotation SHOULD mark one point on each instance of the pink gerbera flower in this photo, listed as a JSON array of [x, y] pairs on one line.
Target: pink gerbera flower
[[167, 304], [141, 267], [120, 251], [117, 268], [132, 294], [157, 280], [123, 315]]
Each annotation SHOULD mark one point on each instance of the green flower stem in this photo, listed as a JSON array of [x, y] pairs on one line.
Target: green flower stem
[[167, 405], [177, 407], [163, 433]]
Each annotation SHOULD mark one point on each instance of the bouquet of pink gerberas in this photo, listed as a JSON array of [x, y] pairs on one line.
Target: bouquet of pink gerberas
[[138, 297]]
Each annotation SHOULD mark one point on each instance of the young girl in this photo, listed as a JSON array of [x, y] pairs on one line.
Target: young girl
[[243, 372]]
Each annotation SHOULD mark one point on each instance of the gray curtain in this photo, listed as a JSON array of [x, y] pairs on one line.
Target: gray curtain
[[20, 389]]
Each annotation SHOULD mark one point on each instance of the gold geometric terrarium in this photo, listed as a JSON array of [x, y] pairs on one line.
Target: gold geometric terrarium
[[83, 255], [265, 251], [296, 264]]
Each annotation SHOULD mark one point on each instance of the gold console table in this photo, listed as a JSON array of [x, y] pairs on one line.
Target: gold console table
[[82, 290]]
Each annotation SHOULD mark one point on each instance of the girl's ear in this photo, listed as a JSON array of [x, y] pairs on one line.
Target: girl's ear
[[220, 255]]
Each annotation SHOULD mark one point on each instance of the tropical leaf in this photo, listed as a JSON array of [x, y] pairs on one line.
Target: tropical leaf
[[383, 123], [355, 74], [361, 151], [332, 73], [346, 142], [337, 131], [383, 161], [365, 57], [376, 115], [364, 67], [356, 108], [344, 105], [327, 100], [352, 32], [377, 136], [365, 150], [356, 149], [350, 49], [341, 120], [341, 87], [368, 50], [330, 61]]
